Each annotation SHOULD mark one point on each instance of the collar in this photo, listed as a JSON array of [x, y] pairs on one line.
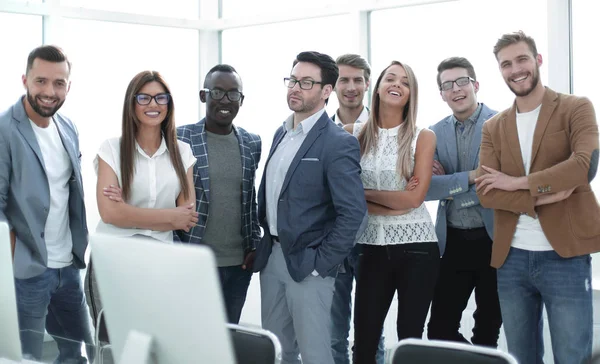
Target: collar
[[363, 117], [471, 119], [305, 125], [161, 149]]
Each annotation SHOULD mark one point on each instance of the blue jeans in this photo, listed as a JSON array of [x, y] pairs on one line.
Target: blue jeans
[[54, 301], [234, 283], [341, 309], [529, 280]]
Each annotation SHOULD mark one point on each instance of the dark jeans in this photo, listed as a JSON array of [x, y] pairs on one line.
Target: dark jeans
[[466, 266], [234, 283], [411, 270], [341, 309], [54, 301]]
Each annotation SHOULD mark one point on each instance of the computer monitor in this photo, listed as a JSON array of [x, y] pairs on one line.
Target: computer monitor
[[10, 342], [167, 293]]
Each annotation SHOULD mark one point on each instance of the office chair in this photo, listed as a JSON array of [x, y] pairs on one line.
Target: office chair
[[254, 345], [415, 351], [101, 340]]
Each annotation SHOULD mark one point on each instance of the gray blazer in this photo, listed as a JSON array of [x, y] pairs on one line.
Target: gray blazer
[[322, 209], [456, 184], [25, 194]]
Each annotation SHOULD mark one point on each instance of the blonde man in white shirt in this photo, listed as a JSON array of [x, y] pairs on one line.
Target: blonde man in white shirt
[[145, 177]]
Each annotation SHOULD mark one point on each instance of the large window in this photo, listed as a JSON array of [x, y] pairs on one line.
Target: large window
[[263, 56], [105, 58], [245, 8], [15, 52], [585, 80], [422, 36], [171, 8]]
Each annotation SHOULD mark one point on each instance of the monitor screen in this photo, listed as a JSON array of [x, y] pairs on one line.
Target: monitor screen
[[170, 292]]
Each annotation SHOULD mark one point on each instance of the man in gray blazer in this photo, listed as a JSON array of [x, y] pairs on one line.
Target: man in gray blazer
[[312, 208], [463, 227], [41, 198]]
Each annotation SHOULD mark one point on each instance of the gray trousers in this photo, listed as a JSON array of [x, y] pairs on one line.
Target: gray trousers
[[298, 313]]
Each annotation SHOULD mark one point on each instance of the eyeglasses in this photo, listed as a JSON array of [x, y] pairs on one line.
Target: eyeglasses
[[145, 99], [461, 81], [304, 84], [218, 94]]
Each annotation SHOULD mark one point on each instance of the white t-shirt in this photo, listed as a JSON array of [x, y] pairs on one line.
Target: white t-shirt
[[154, 185], [529, 234], [57, 232]]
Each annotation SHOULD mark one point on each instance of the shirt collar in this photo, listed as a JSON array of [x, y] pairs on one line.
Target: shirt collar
[[363, 117], [305, 125], [471, 119], [161, 149]]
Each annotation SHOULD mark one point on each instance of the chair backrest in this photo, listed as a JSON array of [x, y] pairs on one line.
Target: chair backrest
[[415, 351], [254, 345]]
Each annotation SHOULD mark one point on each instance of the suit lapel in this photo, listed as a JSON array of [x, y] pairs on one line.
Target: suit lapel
[[310, 139], [199, 147], [277, 140], [512, 137], [246, 158], [69, 145], [476, 140], [262, 198], [548, 105], [26, 130], [450, 141]]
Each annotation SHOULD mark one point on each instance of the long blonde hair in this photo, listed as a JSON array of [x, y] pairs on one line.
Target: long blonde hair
[[367, 138]]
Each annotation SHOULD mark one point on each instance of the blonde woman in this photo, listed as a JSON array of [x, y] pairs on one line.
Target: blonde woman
[[399, 246]]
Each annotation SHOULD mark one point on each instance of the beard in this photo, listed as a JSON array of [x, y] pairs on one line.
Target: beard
[[43, 111], [303, 106], [535, 79]]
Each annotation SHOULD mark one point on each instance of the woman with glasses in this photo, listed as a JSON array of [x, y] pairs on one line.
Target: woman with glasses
[[399, 246], [145, 177]]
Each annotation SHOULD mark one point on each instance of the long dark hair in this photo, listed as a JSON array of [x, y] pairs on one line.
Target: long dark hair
[[130, 128]]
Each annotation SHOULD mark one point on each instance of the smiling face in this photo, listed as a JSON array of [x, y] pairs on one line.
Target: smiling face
[[351, 86], [393, 90], [220, 113], [152, 114], [47, 84], [520, 68], [461, 99]]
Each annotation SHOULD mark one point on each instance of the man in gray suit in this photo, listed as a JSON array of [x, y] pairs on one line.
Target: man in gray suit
[[41, 198], [311, 206], [463, 227]]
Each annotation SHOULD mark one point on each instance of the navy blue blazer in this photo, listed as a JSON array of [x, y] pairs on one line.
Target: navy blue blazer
[[322, 209], [456, 184]]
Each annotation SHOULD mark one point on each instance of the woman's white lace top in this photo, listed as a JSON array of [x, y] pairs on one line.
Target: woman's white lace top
[[379, 172]]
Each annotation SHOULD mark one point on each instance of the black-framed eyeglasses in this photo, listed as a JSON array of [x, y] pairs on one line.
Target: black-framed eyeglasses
[[145, 99], [218, 94], [461, 81], [304, 84]]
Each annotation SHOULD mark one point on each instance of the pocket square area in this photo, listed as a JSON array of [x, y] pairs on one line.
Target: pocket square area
[[310, 159]]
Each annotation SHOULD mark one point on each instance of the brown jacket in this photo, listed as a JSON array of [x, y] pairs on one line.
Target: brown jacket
[[565, 139]]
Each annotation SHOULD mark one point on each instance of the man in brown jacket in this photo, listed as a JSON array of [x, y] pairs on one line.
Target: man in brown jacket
[[537, 160]]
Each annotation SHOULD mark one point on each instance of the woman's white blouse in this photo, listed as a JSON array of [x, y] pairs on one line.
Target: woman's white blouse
[[155, 184], [379, 172]]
